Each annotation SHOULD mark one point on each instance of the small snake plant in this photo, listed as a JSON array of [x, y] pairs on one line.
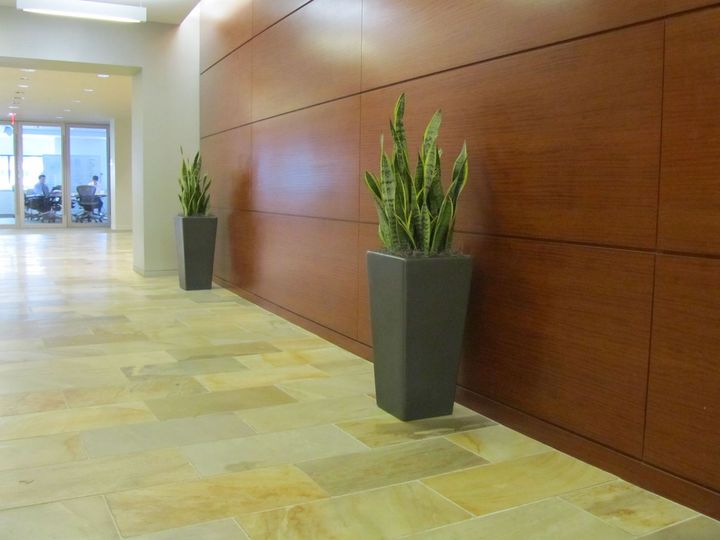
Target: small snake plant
[[416, 217], [194, 187]]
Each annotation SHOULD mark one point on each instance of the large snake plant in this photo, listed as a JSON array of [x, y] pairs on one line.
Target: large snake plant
[[194, 187], [415, 215]]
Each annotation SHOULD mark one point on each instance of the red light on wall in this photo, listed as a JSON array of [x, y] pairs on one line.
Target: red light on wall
[[12, 118]]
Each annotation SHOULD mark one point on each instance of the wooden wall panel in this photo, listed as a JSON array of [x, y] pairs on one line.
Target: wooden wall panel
[[676, 6], [563, 142], [310, 57], [226, 159], [562, 332], [225, 93], [306, 162], [224, 26], [683, 431], [428, 36], [306, 265], [268, 12], [690, 184], [367, 240], [221, 267], [579, 147]]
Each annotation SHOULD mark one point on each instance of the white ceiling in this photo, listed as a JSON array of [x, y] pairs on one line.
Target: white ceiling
[[50, 93], [162, 11]]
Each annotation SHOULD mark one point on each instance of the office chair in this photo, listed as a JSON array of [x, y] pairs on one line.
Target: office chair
[[37, 207], [90, 203]]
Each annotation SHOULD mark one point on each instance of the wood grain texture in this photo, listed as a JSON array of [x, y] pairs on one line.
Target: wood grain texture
[[367, 240], [222, 261], [306, 265], [563, 142], [226, 159], [683, 433], [676, 6], [225, 93], [266, 13], [306, 162], [224, 26], [310, 57], [690, 184], [561, 332], [428, 36]]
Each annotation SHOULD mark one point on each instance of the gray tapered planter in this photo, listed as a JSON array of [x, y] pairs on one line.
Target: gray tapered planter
[[418, 307], [195, 239]]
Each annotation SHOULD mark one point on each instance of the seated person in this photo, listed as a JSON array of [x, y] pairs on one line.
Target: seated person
[[41, 188], [94, 182]]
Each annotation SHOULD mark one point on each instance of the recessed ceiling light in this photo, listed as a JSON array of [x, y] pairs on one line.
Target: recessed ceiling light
[[28, 70], [67, 110], [103, 75], [23, 86], [88, 90], [24, 78], [13, 107], [85, 9], [59, 117], [76, 101]]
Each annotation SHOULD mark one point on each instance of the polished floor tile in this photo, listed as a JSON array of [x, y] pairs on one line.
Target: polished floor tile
[[498, 443], [76, 519], [310, 413], [498, 486], [163, 434], [629, 508], [290, 446], [40, 451], [226, 529], [388, 512], [262, 377], [216, 402], [699, 528], [215, 364], [133, 410], [92, 477], [13, 404], [174, 505], [336, 386], [155, 388], [551, 519], [391, 465], [67, 420], [214, 351], [386, 430]]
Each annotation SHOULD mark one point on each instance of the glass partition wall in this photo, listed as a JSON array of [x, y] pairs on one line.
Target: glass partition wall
[[7, 174], [63, 173]]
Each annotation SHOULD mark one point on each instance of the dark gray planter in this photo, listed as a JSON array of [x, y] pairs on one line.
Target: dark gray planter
[[195, 239], [418, 307]]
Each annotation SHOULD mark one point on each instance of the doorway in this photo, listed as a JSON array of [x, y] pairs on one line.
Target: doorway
[[63, 173]]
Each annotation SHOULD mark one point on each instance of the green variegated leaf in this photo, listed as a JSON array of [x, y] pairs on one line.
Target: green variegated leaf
[[414, 212], [459, 175], [442, 227], [426, 224], [431, 133]]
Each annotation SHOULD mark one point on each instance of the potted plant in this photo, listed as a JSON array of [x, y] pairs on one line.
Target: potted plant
[[419, 288], [194, 229]]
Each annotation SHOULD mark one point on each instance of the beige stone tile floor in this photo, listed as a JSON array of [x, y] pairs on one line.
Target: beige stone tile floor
[[130, 409]]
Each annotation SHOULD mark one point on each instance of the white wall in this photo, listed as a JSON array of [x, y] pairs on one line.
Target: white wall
[[121, 161], [164, 108]]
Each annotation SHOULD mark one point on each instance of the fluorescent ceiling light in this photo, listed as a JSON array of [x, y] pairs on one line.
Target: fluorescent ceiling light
[[103, 75], [85, 9]]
